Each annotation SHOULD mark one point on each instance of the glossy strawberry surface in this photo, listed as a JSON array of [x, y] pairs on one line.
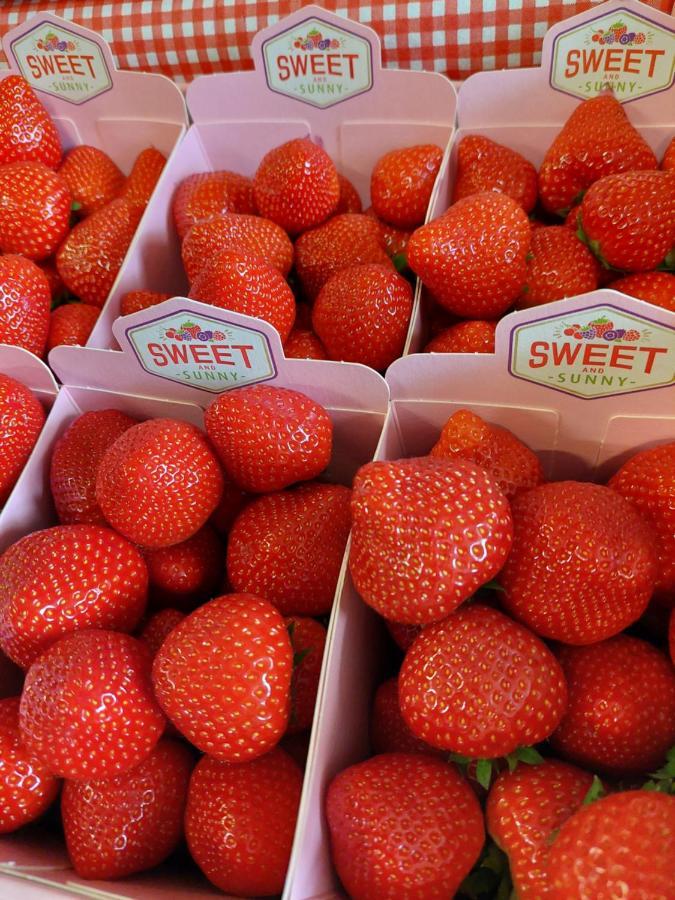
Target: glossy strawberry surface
[[71, 324], [25, 301], [655, 287], [134, 301], [349, 200], [35, 209], [93, 178], [389, 732], [559, 265], [485, 165], [200, 197], [401, 183], [27, 131], [473, 336], [188, 573], [142, 180], [21, 420]]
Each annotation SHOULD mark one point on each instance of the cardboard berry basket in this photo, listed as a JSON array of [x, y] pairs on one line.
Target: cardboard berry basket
[[160, 374], [525, 109], [316, 74], [584, 404]]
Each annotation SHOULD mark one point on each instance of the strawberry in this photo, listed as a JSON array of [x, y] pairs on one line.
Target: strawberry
[[35, 209], [344, 240], [159, 482], [25, 302], [88, 577], [481, 685], [401, 184], [248, 285], [629, 219], [302, 343], [231, 504], [308, 639], [223, 677], [158, 627], [135, 301], [205, 195], [583, 562], [395, 239], [426, 534], [472, 336], [143, 178], [474, 257], [362, 315], [87, 707], [622, 845], [497, 450], [240, 822], [71, 324], [647, 480], [48, 269], [21, 421], [388, 730], [27, 787], [188, 573], [524, 809], [245, 234], [485, 165], [91, 256], [403, 825], [131, 822], [558, 265], [402, 635], [597, 140], [296, 185], [27, 131], [668, 161], [349, 200], [268, 437], [621, 714], [92, 178], [655, 287], [288, 547]]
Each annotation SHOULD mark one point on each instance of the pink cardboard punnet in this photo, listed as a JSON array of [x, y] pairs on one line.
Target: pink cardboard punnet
[[161, 373], [525, 108], [316, 74]]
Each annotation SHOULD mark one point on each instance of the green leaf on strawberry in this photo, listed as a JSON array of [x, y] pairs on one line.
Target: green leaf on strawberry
[[595, 791]]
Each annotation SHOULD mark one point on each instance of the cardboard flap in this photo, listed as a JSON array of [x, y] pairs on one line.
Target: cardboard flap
[[29, 370]]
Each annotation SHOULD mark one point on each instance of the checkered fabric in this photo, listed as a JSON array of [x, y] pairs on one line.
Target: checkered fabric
[[186, 38]]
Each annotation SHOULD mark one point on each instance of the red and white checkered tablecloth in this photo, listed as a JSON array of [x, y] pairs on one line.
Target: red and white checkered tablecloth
[[186, 38]]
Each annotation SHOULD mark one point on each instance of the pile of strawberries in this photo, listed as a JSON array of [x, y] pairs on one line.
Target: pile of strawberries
[[21, 419], [169, 633], [536, 695], [66, 222]]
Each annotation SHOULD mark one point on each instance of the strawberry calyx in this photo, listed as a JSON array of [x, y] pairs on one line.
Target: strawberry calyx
[[487, 769], [668, 264], [595, 792], [400, 261], [490, 878], [663, 780]]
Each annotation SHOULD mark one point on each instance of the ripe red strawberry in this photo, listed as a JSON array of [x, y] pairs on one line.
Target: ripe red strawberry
[[56, 286], [473, 336], [143, 178], [558, 265], [21, 421], [91, 256], [188, 573], [131, 822], [71, 324], [655, 287], [240, 822], [524, 809], [388, 730], [75, 461], [402, 635], [622, 845], [484, 165], [158, 627], [668, 161], [296, 185], [223, 677], [302, 343], [248, 285], [474, 257], [159, 482], [480, 684], [426, 534], [27, 787], [308, 639], [497, 450], [583, 563], [134, 301], [92, 177], [349, 201], [231, 504], [362, 315], [647, 480], [200, 197], [621, 714], [268, 437], [26, 129], [403, 825], [88, 577], [245, 234], [629, 219], [35, 209], [401, 184], [87, 707], [344, 240], [597, 140], [395, 239], [288, 547], [25, 302]]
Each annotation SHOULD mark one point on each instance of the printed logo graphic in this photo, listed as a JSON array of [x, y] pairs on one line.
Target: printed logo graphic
[[318, 63], [597, 352], [204, 352], [63, 63], [620, 50]]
